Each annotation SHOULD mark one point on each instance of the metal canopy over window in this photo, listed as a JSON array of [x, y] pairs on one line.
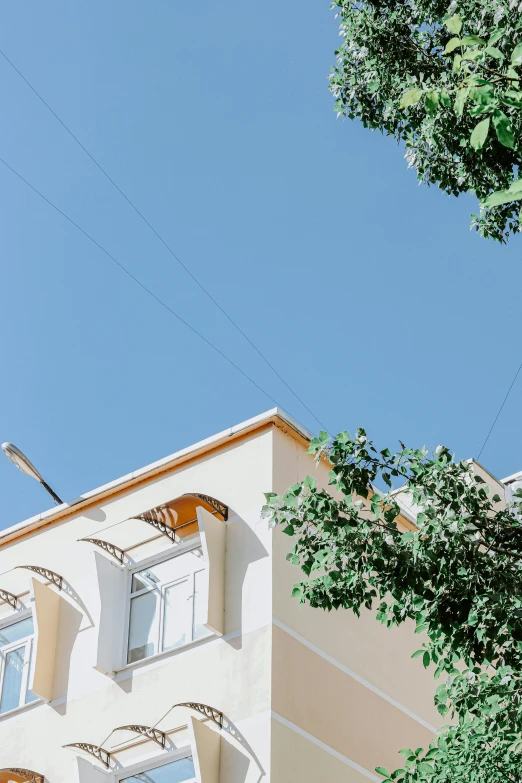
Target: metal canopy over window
[[99, 753], [149, 732], [209, 712], [20, 775], [9, 598], [18, 586], [146, 732], [174, 520], [51, 576]]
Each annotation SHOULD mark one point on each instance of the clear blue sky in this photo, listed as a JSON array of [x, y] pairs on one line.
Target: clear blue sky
[[368, 293]]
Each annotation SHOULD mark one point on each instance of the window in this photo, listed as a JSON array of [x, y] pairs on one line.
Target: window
[[175, 772], [166, 605], [16, 643]]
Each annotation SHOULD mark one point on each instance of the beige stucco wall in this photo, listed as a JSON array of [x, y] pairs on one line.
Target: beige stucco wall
[[297, 758], [347, 681]]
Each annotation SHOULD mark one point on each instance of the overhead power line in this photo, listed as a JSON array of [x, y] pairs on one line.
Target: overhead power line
[[163, 242], [500, 409], [138, 282]]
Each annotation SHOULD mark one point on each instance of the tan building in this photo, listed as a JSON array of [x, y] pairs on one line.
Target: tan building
[[147, 633]]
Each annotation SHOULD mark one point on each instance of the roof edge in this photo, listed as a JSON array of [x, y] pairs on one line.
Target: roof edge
[[153, 469]]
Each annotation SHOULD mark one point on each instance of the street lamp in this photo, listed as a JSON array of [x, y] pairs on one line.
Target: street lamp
[[19, 459]]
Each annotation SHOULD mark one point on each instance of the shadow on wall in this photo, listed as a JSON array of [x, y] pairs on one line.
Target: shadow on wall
[[236, 762], [68, 590], [243, 548]]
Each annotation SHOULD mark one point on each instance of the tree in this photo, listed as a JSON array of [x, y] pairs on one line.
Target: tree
[[458, 576], [448, 86]]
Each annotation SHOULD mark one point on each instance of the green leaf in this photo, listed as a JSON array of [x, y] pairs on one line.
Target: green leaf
[[494, 52], [454, 24], [501, 197], [516, 55], [473, 39], [503, 129], [409, 98], [479, 134], [382, 771], [432, 102], [418, 653], [426, 658], [456, 64], [289, 530], [452, 45], [473, 618], [496, 36], [512, 98], [484, 96], [460, 100], [472, 54]]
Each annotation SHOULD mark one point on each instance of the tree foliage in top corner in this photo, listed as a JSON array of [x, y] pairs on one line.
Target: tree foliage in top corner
[[457, 575], [446, 80]]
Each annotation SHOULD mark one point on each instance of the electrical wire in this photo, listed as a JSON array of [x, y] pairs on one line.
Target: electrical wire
[[500, 409], [163, 242], [138, 282]]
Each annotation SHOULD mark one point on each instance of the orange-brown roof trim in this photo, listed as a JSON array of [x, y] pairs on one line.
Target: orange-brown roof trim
[[274, 417]]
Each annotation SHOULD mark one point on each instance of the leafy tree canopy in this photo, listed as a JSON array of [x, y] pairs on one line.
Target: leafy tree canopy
[[446, 80], [458, 576]]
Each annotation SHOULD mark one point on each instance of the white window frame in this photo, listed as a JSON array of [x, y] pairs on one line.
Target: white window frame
[[28, 642], [160, 761], [149, 562]]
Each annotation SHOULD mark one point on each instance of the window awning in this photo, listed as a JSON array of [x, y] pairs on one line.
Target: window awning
[[174, 520], [20, 775], [205, 742], [14, 585]]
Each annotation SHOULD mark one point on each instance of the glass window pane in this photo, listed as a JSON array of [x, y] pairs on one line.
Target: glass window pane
[[30, 696], [143, 627], [162, 573], [200, 609], [175, 772], [16, 631], [177, 616], [143, 579], [12, 680]]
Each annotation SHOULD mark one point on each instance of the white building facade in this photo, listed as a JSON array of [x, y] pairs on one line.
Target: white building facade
[[147, 633]]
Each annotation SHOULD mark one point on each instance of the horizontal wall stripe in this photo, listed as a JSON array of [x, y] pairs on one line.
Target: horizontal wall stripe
[[353, 674], [326, 748]]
